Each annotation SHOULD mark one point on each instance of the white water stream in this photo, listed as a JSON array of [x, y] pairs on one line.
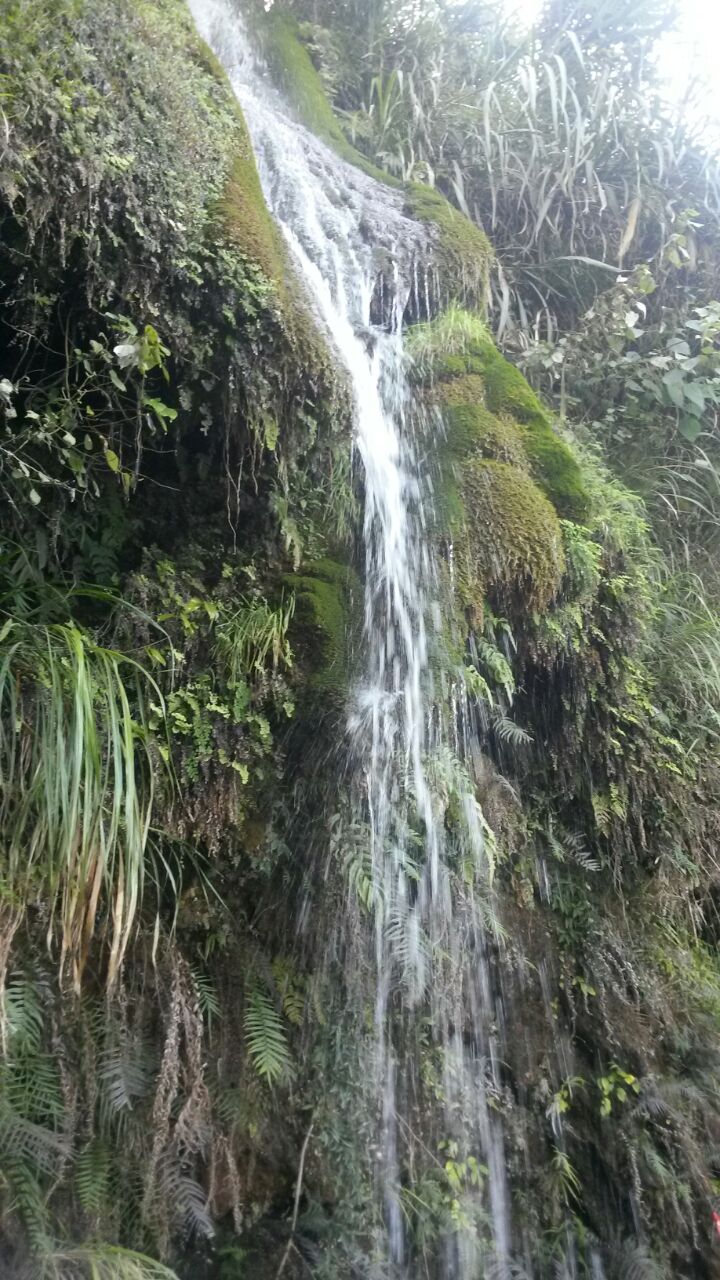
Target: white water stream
[[343, 229]]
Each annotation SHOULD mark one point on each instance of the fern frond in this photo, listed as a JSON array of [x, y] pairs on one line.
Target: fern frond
[[635, 1262], [207, 996], [124, 1074], [508, 731], [26, 1199], [92, 1176], [290, 991], [265, 1038], [185, 1197], [42, 1148], [24, 1014]]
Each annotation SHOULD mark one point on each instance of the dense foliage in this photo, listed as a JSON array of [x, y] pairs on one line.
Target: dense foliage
[[185, 883]]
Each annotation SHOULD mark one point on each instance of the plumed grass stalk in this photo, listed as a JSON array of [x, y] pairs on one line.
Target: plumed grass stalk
[[76, 784]]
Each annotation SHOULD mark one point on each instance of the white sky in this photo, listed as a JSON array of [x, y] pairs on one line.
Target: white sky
[[690, 54]]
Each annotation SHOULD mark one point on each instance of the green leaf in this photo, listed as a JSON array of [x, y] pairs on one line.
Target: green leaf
[[112, 460], [673, 383], [272, 432], [689, 427], [695, 394], [163, 412]]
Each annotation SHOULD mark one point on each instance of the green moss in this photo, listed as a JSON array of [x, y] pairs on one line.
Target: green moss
[[509, 540], [209, 61], [292, 69], [468, 390], [505, 387], [472, 428], [465, 250], [327, 598], [248, 225], [457, 351], [246, 219], [553, 462]]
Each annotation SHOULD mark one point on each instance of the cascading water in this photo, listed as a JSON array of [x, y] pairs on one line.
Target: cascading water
[[343, 228]]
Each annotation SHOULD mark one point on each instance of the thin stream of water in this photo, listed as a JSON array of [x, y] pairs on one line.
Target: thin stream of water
[[340, 225]]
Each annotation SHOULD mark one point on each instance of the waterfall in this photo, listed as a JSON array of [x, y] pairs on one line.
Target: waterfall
[[342, 228]]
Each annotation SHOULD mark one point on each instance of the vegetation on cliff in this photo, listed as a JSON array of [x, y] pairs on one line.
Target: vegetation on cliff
[[181, 1030]]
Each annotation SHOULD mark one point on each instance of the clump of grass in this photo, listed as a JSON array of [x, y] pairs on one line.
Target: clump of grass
[[255, 637], [76, 781]]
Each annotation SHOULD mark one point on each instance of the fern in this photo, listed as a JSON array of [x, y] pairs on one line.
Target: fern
[[510, 732], [27, 1201], [495, 663], [265, 1038], [362, 880], [207, 996], [124, 1074], [92, 1176], [569, 845], [42, 1148], [290, 991], [635, 1262], [566, 1184], [24, 1014], [187, 1200], [410, 949], [30, 1085]]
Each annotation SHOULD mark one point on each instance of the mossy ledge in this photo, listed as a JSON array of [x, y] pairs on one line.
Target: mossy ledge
[[508, 538], [292, 69], [246, 219], [464, 250], [327, 602], [501, 415], [245, 223]]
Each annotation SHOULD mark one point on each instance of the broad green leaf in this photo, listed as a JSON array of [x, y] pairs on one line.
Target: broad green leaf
[[689, 427]]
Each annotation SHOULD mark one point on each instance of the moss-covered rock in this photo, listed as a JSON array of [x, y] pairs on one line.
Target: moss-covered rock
[[328, 596], [554, 464], [509, 539], [246, 218], [472, 429], [247, 225], [465, 250], [498, 494], [456, 355]]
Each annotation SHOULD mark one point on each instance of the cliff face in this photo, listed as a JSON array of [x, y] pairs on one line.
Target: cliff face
[[183, 1036]]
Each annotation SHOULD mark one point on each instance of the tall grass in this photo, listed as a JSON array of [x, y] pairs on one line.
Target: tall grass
[[687, 642], [554, 139], [76, 784], [254, 637], [101, 1262]]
